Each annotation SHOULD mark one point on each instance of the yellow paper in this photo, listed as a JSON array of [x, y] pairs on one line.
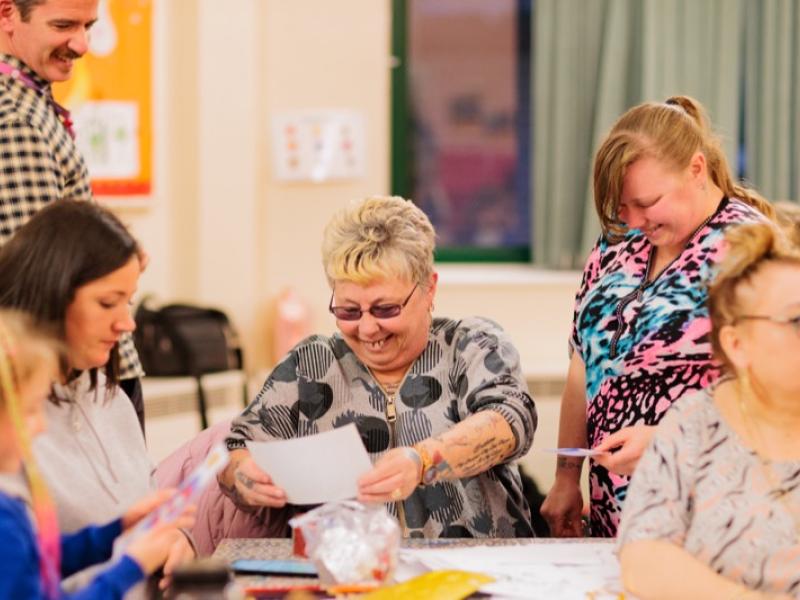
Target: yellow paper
[[436, 585]]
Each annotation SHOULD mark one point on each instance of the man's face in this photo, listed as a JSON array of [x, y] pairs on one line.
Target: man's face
[[54, 35]]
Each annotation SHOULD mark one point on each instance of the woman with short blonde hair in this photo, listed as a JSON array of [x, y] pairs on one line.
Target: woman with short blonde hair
[[440, 404]]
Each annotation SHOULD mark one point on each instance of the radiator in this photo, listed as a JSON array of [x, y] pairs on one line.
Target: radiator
[[171, 407]]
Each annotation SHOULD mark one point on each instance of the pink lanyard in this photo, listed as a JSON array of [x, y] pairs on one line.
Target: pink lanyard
[[63, 113]]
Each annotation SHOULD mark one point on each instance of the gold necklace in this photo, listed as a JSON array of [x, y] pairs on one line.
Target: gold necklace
[[777, 489]]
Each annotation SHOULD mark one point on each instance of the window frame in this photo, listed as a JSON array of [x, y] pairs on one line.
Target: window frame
[[401, 150]]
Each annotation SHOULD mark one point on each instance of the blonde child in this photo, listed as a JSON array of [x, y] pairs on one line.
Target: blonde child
[[33, 555]]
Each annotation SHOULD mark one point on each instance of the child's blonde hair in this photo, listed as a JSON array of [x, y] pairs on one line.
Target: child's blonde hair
[[24, 351]]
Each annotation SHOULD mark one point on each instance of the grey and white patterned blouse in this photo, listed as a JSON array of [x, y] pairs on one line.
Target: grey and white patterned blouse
[[468, 366], [699, 487]]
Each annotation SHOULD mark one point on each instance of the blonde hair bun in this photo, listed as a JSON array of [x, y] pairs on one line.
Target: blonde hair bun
[[377, 238]]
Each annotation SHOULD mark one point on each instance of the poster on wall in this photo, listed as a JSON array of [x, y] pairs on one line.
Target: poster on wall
[[109, 96]]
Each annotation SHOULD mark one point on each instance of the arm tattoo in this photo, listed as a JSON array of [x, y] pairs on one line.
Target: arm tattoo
[[440, 469], [484, 455], [569, 462]]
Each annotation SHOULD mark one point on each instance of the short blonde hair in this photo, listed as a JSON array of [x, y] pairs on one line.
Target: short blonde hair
[[750, 247], [669, 132], [378, 238]]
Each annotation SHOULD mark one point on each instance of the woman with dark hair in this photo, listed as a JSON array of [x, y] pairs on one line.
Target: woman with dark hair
[[74, 268]]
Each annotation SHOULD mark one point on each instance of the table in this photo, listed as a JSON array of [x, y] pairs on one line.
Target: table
[[232, 549]]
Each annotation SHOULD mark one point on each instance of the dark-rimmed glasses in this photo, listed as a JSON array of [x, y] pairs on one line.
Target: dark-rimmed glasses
[[379, 311], [793, 321]]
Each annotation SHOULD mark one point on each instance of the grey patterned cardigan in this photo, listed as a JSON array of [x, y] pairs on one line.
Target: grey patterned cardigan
[[468, 366]]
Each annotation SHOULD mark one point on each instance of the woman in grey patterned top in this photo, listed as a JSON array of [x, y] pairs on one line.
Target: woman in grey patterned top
[[440, 404], [715, 500]]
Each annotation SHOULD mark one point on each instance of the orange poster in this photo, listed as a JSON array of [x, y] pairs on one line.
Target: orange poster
[[109, 96]]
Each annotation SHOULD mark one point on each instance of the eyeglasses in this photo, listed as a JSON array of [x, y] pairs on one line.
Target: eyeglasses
[[793, 321], [379, 311]]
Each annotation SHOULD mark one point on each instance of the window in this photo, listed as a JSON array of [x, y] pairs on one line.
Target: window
[[461, 123]]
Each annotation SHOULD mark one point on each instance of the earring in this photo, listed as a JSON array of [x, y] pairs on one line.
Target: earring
[[743, 381]]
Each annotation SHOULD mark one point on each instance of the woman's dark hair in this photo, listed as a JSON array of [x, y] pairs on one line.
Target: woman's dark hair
[[64, 246]]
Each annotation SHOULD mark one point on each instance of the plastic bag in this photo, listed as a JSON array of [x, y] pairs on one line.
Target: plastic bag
[[350, 542]]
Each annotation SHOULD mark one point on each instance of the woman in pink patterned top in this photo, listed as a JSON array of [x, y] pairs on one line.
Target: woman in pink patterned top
[[664, 196], [715, 499]]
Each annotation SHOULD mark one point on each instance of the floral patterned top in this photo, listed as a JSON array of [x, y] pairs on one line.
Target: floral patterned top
[[644, 343], [468, 366], [699, 487]]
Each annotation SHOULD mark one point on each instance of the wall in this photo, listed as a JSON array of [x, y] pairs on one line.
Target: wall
[[219, 227], [222, 230]]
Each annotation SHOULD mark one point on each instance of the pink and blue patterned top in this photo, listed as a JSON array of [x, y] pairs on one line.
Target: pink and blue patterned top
[[644, 343]]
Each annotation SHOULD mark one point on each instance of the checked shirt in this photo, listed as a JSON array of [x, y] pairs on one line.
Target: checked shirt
[[39, 163]]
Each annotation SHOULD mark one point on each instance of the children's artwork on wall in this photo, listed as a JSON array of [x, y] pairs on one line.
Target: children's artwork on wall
[[319, 145], [109, 96]]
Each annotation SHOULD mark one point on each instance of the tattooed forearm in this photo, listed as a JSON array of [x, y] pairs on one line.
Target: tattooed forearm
[[471, 447], [485, 455], [440, 469]]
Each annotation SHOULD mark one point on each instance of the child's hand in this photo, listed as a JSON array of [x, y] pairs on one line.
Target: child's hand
[[179, 553], [153, 547], [145, 506]]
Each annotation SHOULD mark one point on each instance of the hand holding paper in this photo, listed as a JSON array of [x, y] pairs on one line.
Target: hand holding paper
[[624, 448], [316, 468]]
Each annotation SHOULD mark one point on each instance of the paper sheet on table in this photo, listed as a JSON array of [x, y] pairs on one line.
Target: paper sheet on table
[[563, 570], [316, 468]]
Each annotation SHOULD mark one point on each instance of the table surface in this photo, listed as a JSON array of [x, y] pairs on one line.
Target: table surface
[[277, 548]]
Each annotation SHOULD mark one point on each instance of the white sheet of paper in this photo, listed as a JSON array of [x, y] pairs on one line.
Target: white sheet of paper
[[316, 468], [533, 571]]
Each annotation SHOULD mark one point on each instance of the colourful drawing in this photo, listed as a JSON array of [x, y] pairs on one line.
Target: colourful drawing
[[109, 96]]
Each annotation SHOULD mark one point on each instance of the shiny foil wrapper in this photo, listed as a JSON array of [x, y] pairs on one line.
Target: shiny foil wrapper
[[350, 542]]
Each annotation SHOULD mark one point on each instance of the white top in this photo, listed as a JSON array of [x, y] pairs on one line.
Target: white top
[[92, 455]]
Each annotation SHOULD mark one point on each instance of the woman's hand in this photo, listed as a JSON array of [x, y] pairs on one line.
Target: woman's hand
[[180, 552], [394, 477], [624, 448], [254, 487], [563, 509]]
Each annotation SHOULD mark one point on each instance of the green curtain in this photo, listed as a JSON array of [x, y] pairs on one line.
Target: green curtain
[[772, 97], [594, 59]]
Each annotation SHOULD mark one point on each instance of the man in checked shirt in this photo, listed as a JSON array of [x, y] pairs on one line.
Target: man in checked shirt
[[39, 162]]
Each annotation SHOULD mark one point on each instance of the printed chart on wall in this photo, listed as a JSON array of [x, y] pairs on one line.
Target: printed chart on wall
[[109, 96]]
